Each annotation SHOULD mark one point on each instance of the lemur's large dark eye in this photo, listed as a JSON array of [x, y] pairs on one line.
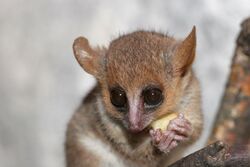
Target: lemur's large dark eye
[[152, 96], [118, 97]]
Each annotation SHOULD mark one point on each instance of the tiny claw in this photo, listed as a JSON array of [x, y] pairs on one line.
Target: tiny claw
[[151, 132], [181, 115]]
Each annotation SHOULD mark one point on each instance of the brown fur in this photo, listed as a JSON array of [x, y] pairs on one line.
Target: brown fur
[[132, 62]]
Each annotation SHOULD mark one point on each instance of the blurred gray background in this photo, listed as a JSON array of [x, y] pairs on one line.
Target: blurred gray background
[[41, 84]]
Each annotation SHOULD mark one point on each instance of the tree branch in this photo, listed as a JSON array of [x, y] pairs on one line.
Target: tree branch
[[233, 120], [212, 155]]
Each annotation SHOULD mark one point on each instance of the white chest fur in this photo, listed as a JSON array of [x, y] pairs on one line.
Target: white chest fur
[[107, 157]]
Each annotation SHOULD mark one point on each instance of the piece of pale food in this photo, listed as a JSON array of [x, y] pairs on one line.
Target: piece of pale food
[[163, 122]]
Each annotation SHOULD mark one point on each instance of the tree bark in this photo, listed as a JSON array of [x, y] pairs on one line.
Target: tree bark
[[232, 123], [233, 120], [212, 155]]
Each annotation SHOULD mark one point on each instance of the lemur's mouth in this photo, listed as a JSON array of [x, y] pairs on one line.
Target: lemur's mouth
[[139, 135], [140, 130], [136, 129]]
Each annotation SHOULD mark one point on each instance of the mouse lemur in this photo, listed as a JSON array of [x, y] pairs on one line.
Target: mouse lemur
[[142, 77]]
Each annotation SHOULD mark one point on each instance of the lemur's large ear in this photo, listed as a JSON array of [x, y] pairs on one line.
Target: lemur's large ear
[[88, 58], [185, 54]]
